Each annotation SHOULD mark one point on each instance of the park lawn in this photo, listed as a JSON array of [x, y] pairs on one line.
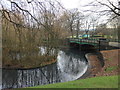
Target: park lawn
[[96, 82]]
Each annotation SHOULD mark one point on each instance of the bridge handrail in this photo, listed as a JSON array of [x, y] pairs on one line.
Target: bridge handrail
[[97, 39], [93, 41], [114, 40]]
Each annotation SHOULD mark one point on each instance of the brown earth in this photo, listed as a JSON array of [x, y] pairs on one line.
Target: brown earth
[[111, 67], [29, 64]]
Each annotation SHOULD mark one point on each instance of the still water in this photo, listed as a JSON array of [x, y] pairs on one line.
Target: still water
[[71, 65]]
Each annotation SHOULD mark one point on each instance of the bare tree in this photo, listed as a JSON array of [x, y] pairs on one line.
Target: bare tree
[[73, 21], [105, 7], [25, 29], [107, 10]]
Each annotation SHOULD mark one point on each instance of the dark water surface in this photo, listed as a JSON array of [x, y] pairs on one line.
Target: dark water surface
[[71, 64]]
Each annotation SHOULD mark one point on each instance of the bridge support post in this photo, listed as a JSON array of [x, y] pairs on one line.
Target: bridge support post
[[99, 45]]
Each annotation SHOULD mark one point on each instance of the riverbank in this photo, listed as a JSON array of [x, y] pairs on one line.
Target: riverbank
[[29, 63], [100, 77], [111, 67], [110, 63]]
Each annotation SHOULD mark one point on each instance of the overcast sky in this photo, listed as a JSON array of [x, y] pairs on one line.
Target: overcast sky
[[80, 4], [70, 4]]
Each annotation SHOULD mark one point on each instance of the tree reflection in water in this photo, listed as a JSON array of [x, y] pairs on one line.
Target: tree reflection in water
[[71, 65]]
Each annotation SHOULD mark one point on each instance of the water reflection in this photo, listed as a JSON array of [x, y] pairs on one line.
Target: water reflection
[[70, 65]]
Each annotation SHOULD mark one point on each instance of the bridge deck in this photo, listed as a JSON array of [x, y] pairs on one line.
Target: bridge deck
[[84, 41], [94, 42]]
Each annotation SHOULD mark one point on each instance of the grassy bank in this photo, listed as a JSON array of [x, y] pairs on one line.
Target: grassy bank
[[97, 82]]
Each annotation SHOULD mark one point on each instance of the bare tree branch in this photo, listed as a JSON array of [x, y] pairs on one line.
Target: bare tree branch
[[28, 13], [4, 12], [113, 10]]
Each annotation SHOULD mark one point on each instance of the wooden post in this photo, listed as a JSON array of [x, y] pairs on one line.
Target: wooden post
[[99, 45]]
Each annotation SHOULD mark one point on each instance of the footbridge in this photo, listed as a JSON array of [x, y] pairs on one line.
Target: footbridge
[[97, 43]]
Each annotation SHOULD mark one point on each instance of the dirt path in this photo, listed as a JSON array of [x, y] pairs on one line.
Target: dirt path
[[111, 58]]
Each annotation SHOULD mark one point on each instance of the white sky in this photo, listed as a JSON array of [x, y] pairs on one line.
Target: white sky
[[69, 4]]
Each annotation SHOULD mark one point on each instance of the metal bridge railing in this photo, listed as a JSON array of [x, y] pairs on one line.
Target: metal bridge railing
[[89, 41]]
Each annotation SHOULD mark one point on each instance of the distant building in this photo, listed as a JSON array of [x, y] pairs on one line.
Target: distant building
[[85, 35]]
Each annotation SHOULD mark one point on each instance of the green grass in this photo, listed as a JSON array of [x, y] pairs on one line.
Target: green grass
[[111, 68], [109, 59], [97, 82]]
